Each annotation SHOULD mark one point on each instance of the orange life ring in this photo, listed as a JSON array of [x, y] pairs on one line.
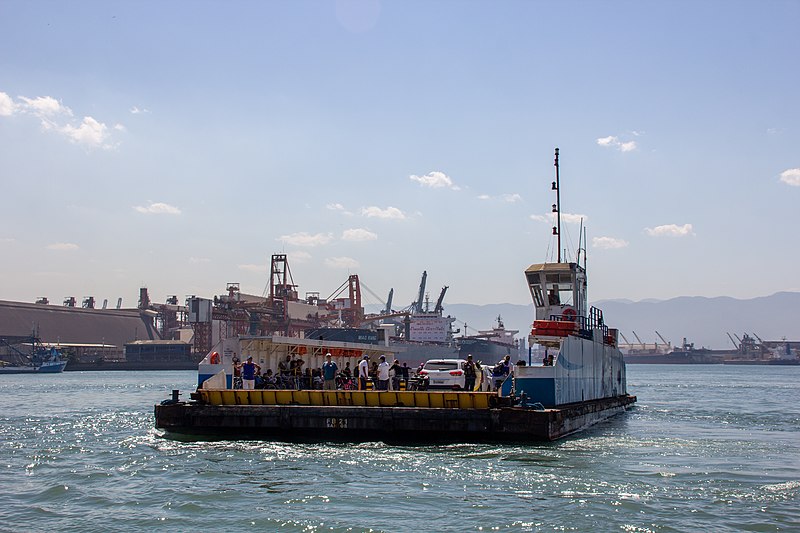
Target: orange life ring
[[569, 314], [215, 358]]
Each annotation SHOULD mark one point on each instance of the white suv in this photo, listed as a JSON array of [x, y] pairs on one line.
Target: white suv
[[449, 374], [444, 373]]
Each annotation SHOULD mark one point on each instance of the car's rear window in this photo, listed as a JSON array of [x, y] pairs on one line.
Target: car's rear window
[[440, 365]]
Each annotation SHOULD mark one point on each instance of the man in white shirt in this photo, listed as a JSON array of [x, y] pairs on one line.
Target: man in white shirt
[[363, 373], [383, 374], [502, 371]]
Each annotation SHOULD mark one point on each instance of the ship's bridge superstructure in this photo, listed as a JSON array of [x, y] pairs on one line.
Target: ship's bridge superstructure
[[558, 290], [559, 296]]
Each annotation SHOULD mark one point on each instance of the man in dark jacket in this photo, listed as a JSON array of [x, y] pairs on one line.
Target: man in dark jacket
[[470, 373]]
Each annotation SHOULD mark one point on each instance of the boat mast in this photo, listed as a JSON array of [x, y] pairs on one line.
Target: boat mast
[[557, 207], [584, 248]]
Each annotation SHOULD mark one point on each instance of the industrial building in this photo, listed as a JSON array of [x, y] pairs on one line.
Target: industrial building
[[101, 330]]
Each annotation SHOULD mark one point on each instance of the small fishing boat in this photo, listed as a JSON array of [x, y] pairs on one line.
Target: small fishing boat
[[39, 359]]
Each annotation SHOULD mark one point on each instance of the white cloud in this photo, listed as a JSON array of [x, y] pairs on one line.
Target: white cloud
[[377, 212], [339, 208], [299, 256], [612, 141], [44, 106], [7, 105], [136, 111], [608, 243], [63, 246], [341, 262], [90, 132], [510, 198], [573, 218], [791, 177], [305, 239], [199, 260], [568, 218], [435, 180], [358, 234], [258, 269], [7, 240], [670, 230], [158, 208], [56, 117]]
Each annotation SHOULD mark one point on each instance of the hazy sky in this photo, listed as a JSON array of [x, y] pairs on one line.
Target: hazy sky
[[177, 145]]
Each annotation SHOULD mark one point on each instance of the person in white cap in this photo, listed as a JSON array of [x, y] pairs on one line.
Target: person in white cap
[[329, 369], [363, 373]]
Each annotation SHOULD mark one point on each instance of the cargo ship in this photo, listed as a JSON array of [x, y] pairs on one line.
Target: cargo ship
[[491, 345], [419, 336], [686, 354], [750, 351]]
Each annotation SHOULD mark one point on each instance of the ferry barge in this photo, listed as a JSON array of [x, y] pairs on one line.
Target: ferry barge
[[580, 381]]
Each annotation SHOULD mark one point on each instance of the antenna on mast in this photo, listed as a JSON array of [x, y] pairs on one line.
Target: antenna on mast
[[557, 207], [584, 249]]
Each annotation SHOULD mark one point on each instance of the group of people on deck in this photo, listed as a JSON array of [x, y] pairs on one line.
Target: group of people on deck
[[292, 374], [382, 375]]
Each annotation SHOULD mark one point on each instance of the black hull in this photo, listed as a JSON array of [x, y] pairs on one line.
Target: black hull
[[105, 366], [388, 424], [673, 358], [484, 350]]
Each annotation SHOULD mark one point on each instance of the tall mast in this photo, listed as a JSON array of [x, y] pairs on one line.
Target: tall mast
[[557, 207]]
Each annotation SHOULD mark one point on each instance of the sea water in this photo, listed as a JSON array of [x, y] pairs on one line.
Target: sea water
[[707, 447]]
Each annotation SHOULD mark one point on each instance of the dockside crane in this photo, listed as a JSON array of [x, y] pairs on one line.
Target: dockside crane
[[416, 307], [439, 308], [733, 341], [665, 341], [638, 339], [388, 308], [624, 338]]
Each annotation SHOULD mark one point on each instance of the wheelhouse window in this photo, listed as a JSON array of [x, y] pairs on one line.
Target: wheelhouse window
[[559, 289], [536, 291]]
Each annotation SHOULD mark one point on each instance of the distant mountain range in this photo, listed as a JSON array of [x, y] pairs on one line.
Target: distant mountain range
[[703, 321]]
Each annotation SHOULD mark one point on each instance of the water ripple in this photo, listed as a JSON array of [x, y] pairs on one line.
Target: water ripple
[[693, 455]]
